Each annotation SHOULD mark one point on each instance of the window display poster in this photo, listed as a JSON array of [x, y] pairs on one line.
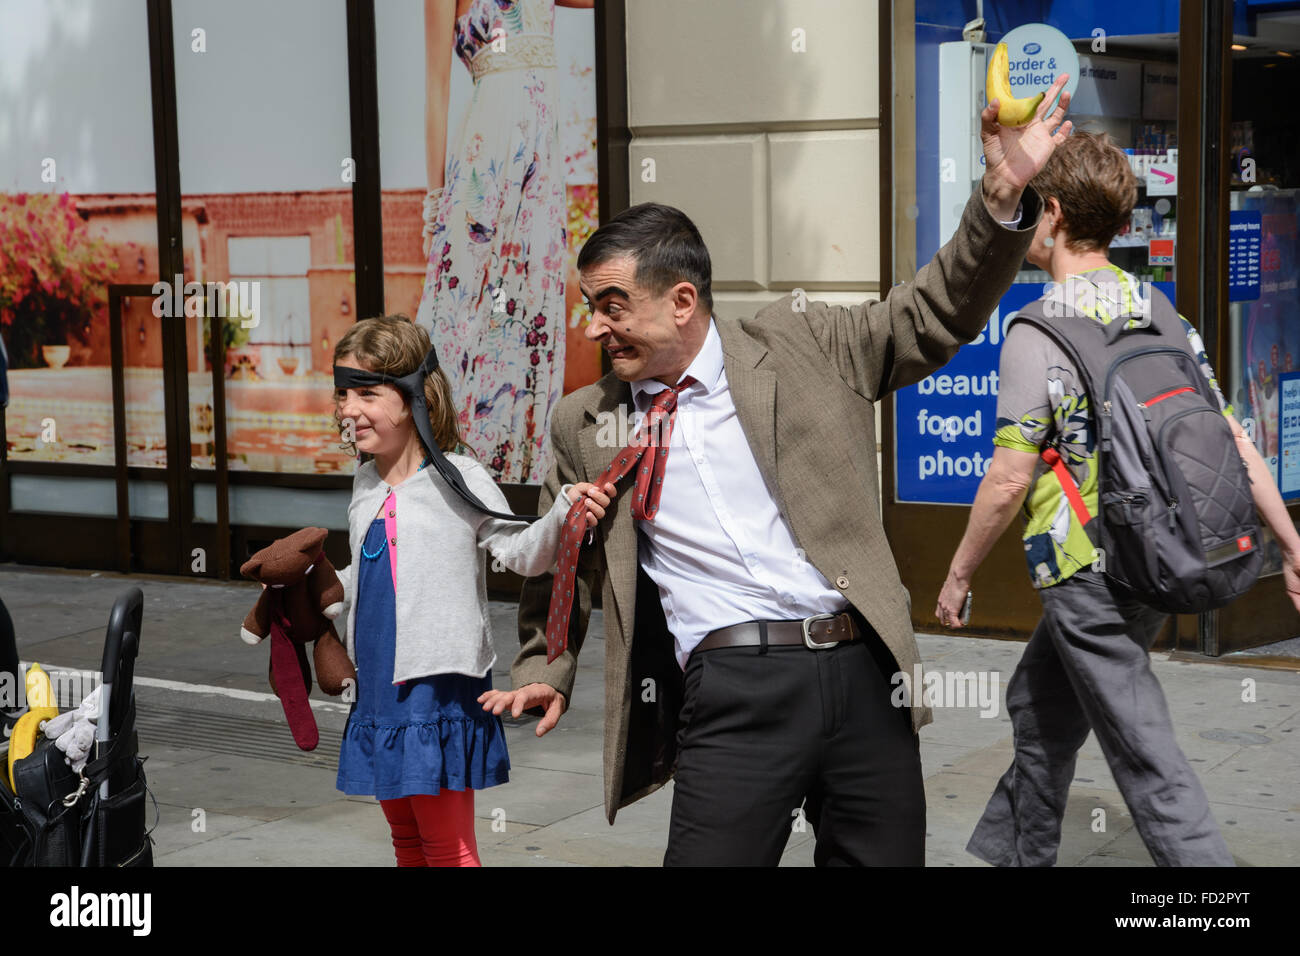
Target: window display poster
[[1269, 326], [497, 107], [944, 424], [1244, 229], [76, 214], [1288, 419]]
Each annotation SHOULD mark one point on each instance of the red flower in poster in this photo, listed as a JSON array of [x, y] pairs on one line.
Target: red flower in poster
[[53, 275]]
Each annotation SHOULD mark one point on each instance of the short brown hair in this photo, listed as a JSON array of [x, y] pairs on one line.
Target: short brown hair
[[1092, 180], [663, 242], [394, 345]]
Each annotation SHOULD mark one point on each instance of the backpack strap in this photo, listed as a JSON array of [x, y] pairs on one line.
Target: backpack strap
[[1054, 461], [1062, 334]]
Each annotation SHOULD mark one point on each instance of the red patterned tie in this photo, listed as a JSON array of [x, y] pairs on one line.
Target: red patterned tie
[[650, 447]]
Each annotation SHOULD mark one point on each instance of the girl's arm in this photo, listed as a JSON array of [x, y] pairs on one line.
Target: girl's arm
[[529, 549], [439, 26]]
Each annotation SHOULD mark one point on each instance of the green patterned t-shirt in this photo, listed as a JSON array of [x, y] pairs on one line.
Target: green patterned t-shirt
[[1042, 402]]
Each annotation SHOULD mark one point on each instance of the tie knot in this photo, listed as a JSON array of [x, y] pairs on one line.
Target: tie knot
[[668, 396]]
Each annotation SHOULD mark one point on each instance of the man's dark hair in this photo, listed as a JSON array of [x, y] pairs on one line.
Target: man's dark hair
[[664, 243]]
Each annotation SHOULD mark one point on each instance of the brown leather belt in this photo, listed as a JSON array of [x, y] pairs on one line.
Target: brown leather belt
[[819, 632]]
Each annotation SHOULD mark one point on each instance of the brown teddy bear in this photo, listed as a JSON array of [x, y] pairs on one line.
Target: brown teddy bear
[[302, 596]]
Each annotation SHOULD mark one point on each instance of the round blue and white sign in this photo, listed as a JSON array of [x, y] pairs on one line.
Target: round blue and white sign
[[1038, 54]]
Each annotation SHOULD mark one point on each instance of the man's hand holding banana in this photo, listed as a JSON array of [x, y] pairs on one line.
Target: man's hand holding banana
[[1013, 155]]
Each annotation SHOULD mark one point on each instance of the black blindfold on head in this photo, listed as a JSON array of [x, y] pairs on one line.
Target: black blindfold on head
[[412, 386]]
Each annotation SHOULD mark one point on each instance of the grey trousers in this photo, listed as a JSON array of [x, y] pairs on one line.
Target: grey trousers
[[1086, 668]]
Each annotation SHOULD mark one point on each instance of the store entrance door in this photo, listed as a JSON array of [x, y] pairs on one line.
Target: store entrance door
[[1258, 294]]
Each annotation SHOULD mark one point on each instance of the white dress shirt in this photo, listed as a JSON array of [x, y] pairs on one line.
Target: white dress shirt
[[718, 548]]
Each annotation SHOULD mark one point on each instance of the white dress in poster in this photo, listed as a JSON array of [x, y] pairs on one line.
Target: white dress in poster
[[508, 123]]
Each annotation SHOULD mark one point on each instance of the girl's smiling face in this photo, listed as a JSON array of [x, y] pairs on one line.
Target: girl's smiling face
[[380, 416]]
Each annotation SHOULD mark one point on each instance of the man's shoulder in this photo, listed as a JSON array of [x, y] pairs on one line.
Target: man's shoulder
[[783, 315], [781, 325], [603, 394]]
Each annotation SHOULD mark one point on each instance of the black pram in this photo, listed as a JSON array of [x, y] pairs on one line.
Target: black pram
[[55, 816]]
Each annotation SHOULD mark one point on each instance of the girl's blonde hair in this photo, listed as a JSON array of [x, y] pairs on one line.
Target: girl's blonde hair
[[394, 345]]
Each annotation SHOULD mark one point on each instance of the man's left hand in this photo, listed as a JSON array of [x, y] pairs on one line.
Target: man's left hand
[[1013, 155]]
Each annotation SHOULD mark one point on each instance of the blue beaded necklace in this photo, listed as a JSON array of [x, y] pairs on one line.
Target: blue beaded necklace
[[428, 460]]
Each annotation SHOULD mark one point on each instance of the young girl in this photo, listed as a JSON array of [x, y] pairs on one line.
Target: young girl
[[416, 594]]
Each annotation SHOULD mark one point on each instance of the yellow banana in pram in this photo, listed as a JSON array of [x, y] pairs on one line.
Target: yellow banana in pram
[[41, 707]]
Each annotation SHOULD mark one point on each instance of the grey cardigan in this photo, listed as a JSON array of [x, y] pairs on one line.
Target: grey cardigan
[[442, 608]]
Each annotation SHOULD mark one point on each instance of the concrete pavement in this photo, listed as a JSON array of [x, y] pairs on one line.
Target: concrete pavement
[[232, 789]]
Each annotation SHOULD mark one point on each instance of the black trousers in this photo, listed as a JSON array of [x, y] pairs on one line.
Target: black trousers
[[773, 742]]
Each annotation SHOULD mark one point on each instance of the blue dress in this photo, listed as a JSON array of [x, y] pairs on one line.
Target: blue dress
[[421, 735]]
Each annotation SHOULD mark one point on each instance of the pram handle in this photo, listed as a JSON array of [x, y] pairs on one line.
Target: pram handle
[[121, 644]]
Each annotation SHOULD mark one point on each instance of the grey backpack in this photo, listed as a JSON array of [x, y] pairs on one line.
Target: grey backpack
[[1178, 525]]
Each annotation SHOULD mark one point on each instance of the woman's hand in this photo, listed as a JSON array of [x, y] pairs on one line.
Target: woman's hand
[[597, 500]]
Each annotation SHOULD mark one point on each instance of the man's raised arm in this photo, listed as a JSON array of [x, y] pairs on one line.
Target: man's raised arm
[[878, 347]]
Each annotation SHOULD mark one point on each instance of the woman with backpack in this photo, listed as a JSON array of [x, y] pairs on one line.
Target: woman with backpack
[[1086, 666]]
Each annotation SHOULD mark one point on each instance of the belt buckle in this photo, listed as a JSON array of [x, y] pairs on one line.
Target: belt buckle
[[808, 641]]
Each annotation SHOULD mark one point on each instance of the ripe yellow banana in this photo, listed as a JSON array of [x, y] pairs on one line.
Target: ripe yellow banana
[[25, 734], [40, 693], [997, 86], [41, 707]]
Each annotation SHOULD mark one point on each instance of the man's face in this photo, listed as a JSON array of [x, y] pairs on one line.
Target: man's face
[[642, 334]]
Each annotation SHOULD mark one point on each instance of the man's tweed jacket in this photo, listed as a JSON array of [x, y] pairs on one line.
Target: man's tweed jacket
[[804, 385]]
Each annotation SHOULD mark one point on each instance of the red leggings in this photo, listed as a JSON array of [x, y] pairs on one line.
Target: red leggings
[[433, 831]]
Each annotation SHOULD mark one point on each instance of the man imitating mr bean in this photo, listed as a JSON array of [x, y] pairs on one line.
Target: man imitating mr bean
[[753, 612]]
